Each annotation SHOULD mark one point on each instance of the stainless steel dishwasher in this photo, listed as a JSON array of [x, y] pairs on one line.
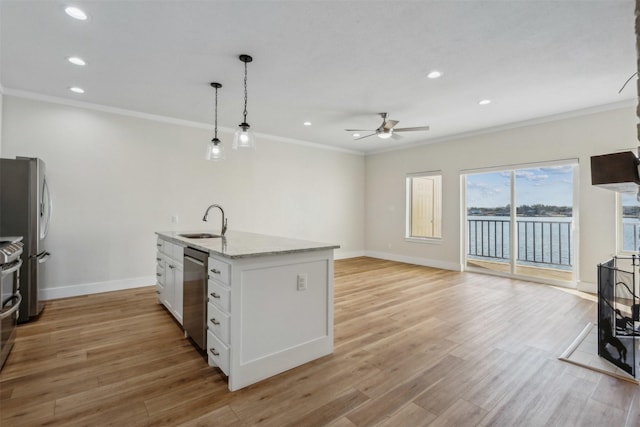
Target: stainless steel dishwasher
[[195, 296]]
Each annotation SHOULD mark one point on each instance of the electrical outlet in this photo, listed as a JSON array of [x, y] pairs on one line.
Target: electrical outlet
[[302, 282]]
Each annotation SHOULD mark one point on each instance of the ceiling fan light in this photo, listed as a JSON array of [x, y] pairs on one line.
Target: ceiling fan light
[[384, 135]]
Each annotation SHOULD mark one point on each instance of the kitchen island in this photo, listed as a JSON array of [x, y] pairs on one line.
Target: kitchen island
[[269, 300]]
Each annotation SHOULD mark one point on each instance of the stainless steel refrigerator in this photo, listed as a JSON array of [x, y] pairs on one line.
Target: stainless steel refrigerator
[[25, 210]]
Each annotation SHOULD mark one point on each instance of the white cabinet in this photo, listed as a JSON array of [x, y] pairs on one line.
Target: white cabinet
[[261, 321], [170, 271], [218, 314], [269, 300]]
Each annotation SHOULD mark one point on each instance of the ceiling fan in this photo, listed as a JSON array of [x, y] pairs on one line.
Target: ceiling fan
[[387, 128]]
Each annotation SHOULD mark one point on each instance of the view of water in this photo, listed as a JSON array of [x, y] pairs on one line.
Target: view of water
[[542, 241], [630, 234]]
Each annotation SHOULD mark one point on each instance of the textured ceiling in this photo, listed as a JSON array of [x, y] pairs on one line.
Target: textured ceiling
[[334, 63]]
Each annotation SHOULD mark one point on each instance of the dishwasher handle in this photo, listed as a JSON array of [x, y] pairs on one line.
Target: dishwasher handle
[[197, 261]]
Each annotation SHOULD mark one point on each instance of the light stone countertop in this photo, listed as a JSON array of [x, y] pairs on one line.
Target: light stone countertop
[[240, 244]]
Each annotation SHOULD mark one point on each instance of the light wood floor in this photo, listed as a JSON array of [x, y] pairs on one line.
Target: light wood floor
[[413, 346]]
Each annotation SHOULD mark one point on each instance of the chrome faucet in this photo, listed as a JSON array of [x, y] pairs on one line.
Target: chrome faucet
[[224, 220]]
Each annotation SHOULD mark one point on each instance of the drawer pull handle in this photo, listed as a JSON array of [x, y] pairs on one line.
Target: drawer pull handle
[[159, 245], [214, 352], [213, 294], [158, 292], [159, 274], [214, 271], [172, 266], [158, 259], [214, 321]]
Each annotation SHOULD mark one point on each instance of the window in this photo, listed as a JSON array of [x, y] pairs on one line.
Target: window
[[424, 206], [521, 221], [630, 222]]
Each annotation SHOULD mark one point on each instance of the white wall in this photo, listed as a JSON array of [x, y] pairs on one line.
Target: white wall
[[578, 137], [116, 179]]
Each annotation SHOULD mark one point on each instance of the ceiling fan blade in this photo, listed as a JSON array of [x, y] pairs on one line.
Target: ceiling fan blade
[[389, 124], [363, 137], [360, 130], [396, 136], [411, 129]]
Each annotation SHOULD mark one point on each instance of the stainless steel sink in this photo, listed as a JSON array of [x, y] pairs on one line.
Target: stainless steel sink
[[199, 236]]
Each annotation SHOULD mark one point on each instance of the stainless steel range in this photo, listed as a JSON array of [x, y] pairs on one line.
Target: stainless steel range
[[11, 249]]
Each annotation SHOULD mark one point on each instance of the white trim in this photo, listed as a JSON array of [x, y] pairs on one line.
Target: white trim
[[424, 240], [529, 165], [515, 125], [414, 260], [166, 119], [531, 279], [350, 254], [589, 287], [95, 288]]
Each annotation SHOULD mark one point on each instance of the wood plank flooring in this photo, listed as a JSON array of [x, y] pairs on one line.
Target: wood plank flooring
[[414, 346]]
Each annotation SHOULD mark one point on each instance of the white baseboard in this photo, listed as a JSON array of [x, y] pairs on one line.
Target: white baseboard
[[95, 288], [415, 260], [351, 254], [592, 288]]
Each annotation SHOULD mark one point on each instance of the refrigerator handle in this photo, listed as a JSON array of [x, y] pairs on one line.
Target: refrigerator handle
[[43, 257], [46, 193]]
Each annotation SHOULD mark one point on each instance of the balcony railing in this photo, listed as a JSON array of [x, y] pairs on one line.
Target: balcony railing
[[539, 242]]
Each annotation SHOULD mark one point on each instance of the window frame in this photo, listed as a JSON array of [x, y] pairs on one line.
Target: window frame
[[409, 205]]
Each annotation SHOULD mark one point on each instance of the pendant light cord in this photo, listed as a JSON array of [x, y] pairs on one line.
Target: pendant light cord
[[215, 128], [245, 93]]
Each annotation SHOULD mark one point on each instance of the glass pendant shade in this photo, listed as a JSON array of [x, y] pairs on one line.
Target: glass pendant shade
[[243, 137], [215, 150]]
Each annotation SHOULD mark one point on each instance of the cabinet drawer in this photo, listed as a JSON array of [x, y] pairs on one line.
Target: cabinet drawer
[[159, 291], [219, 270], [160, 273], [177, 253], [218, 323], [160, 245], [218, 353], [219, 296]]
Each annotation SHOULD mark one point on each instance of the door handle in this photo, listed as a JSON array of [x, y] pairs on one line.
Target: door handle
[[43, 258], [13, 309], [12, 269]]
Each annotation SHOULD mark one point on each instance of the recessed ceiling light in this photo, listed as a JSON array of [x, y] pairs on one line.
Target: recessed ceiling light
[[434, 74], [76, 13], [307, 123], [77, 61], [76, 89], [355, 135], [485, 102]]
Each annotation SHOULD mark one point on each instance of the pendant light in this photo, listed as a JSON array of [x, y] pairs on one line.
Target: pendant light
[[244, 137], [215, 149]]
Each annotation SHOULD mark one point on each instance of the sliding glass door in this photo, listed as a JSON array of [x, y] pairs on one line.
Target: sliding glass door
[[520, 221]]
